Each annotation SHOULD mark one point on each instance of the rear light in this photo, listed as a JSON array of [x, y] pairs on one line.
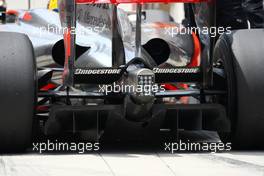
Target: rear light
[[146, 81]]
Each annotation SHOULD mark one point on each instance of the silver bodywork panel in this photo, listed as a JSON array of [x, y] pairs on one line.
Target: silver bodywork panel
[[93, 30]]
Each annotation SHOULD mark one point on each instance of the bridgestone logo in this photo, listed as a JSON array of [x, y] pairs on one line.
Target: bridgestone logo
[[176, 70], [97, 71]]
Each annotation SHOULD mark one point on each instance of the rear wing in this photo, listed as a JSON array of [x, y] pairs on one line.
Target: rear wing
[[136, 1], [67, 10]]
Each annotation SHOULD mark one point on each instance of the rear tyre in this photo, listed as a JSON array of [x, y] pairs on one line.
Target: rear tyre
[[18, 91], [240, 54]]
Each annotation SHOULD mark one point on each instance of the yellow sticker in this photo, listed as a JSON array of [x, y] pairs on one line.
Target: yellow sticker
[[53, 4]]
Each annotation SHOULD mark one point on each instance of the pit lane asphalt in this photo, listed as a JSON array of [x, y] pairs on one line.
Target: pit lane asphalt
[[136, 162]]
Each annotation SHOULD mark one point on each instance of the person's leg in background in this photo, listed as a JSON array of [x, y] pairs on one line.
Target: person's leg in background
[[255, 12], [230, 13], [240, 14]]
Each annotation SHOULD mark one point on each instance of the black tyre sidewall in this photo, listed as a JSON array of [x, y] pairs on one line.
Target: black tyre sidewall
[[242, 53], [18, 91]]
